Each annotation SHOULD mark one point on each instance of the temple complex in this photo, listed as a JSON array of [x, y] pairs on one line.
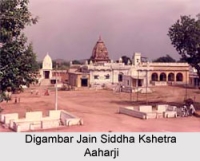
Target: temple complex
[[100, 70]]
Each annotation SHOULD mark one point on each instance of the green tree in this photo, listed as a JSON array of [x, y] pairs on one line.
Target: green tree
[[165, 59], [185, 37], [60, 64], [18, 63], [76, 62], [39, 64], [181, 60], [65, 65], [126, 59]]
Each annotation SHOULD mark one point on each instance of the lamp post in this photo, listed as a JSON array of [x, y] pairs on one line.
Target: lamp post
[[130, 90], [137, 84], [146, 85], [147, 75], [56, 95], [186, 86]]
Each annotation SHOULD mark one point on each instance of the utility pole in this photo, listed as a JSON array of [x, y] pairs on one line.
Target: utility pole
[[56, 95], [186, 86], [137, 84], [146, 85], [147, 81], [130, 91]]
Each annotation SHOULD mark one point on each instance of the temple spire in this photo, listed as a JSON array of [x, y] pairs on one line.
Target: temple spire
[[100, 53], [100, 38]]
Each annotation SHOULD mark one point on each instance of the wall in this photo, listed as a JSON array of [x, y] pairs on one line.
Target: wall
[[73, 79], [101, 77], [168, 68]]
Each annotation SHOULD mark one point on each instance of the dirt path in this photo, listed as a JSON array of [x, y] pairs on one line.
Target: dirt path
[[99, 110]]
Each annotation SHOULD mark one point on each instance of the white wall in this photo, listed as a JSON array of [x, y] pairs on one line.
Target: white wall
[[127, 81], [101, 77]]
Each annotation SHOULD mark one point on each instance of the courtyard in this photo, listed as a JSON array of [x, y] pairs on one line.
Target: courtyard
[[99, 109]]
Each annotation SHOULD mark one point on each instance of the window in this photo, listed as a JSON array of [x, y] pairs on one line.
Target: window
[[96, 77], [107, 76], [128, 82]]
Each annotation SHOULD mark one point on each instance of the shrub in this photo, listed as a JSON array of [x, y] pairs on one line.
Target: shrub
[[188, 101]]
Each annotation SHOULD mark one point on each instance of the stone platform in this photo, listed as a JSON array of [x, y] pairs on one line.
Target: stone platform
[[147, 112], [36, 121]]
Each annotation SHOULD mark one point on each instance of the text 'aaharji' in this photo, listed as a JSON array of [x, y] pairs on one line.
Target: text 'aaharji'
[[102, 153]]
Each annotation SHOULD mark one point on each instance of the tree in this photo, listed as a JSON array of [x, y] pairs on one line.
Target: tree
[[185, 37], [60, 64], [76, 62], [39, 64], [165, 59], [126, 59], [181, 60], [18, 63]]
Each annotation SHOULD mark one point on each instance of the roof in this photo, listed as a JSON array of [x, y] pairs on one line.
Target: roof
[[138, 77]]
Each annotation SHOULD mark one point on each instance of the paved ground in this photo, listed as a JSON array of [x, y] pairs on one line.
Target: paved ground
[[99, 109]]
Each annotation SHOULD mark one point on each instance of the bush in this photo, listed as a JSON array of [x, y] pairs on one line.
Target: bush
[[188, 101]]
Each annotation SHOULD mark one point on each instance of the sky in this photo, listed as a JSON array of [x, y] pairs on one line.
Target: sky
[[69, 29]]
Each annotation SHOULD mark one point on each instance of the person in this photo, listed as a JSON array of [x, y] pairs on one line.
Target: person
[[46, 92], [192, 109], [36, 92], [15, 99], [184, 109]]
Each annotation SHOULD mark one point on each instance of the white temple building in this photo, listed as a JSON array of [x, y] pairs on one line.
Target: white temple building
[[102, 71], [47, 67], [48, 75]]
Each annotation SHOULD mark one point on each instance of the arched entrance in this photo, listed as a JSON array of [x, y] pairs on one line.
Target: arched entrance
[[154, 77], [171, 77], [179, 77], [162, 77]]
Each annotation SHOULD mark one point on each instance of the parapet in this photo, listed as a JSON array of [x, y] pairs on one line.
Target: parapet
[[36, 121]]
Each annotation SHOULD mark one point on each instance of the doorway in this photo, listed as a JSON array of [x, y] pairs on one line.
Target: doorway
[[120, 77], [139, 82], [46, 74], [84, 82]]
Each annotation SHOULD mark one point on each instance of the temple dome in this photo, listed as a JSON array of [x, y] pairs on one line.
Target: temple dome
[[47, 63], [100, 53]]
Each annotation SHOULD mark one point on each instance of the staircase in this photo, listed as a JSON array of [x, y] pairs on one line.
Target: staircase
[[45, 82]]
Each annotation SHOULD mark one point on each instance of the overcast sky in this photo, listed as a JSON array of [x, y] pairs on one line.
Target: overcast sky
[[69, 29]]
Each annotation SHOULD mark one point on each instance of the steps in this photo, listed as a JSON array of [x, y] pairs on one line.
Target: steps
[[45, 82]]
